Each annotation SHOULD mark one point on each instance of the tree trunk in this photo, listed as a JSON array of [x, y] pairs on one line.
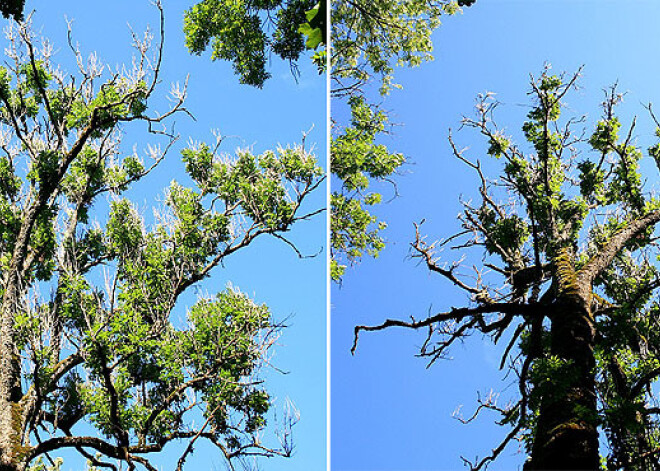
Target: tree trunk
[[566, 436], [12, 448], [8, 405]]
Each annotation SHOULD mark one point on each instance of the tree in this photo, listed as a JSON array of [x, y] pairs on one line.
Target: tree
[[568, 279], [369, 39], [237, 32], [12, 9], [87, 336]]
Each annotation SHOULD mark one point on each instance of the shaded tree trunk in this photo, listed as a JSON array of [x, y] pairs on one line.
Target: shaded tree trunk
[[12, 450], [8, 400], [11, 419], [566, 436]]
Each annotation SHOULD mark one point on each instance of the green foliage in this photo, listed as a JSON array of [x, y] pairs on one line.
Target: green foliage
[[95, 315], [606, 132], [139, 364], [498, 145], [592, 182], [356, 161], [369, 40], [222, 341], [356, 156], [216, 354], [238, 32], [116, 100], [505, 234], [627, 358], [256, 180], [316, 27], [551, 376], [354, 231]]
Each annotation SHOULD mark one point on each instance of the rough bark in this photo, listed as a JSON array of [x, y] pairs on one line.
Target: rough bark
[[566, 436], [10, 393]]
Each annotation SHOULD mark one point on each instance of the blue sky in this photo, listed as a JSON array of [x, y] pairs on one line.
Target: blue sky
[[269, 271], [388, 411]]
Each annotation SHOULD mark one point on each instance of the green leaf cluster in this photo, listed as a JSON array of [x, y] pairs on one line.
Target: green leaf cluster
[[238, 31], [357, 160]]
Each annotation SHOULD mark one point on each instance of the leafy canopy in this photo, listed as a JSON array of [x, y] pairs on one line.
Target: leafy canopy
[[239, 31], [90, 290]]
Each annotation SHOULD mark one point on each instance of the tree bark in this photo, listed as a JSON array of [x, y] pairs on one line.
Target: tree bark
[[10, 426], [11, 411], [566, 436]]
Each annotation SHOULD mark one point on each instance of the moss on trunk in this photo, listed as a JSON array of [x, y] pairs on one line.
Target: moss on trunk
[[566, 435]]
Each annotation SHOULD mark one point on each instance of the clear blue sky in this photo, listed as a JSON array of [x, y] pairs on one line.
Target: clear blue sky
[[269, 271], [388, 411]]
